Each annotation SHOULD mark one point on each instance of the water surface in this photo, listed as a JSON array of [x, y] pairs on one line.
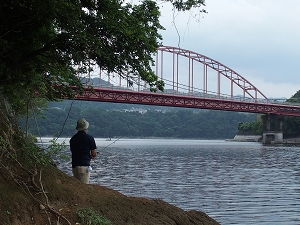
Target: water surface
[[233, 182]]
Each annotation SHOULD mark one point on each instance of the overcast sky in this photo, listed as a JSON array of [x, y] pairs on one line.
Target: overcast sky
[[259, 39]]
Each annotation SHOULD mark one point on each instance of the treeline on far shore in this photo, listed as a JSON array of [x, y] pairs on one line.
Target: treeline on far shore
[[290, 124], [133, 121]]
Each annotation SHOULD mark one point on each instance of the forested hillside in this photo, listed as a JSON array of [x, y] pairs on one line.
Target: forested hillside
[[125, 120], [290, 124]]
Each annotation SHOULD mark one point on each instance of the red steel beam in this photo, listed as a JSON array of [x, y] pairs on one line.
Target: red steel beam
[[150, 98], [223, 70]]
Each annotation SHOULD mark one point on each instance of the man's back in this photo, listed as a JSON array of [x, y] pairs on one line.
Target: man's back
[[81, 145]]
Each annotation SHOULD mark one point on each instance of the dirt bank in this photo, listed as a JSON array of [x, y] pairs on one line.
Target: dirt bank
[[65, 195]]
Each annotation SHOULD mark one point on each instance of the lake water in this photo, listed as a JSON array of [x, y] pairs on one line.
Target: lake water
[[233, 182]]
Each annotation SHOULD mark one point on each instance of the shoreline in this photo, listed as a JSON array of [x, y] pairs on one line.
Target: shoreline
[[237, 138], [258, 138]]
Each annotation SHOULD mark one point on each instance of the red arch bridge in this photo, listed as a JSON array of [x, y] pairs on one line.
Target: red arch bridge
[[191, 80]]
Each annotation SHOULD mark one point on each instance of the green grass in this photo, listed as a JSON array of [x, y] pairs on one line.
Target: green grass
[[89, 217]]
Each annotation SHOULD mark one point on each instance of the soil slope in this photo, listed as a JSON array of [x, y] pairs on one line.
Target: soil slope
[[53, 197]]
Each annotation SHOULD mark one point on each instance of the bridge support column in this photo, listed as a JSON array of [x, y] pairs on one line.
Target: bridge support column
[[272, 129]]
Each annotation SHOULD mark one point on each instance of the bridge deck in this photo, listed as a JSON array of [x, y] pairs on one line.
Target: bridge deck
[[187, 100]]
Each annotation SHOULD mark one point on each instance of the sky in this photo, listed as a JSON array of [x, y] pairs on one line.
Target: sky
[[259, 39]]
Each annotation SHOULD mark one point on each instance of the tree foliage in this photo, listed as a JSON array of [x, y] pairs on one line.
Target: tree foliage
[[45, 44], [290, 124], [255, 127], [295, 98], [182, 5], [104, 123]]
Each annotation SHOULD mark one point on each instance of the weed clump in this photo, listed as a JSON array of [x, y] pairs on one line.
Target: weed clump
[[89, 217]]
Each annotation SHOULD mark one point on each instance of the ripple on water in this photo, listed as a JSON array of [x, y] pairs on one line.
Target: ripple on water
[[235, 183]]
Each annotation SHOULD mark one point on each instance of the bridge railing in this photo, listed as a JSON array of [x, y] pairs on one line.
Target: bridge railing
[[177, 89], [181, 92]]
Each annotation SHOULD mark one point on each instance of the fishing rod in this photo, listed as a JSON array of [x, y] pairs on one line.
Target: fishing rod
[[112, 143], [90, 169]]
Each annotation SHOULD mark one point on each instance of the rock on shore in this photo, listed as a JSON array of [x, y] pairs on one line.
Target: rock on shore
[[247, 138]]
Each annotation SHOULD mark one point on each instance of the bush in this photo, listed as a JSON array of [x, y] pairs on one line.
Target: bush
[[89, 217]]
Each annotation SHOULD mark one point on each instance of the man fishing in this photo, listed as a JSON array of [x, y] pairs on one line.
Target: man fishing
[[83, 148]]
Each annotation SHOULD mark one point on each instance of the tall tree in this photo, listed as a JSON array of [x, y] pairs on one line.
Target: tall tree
[[45, 44]]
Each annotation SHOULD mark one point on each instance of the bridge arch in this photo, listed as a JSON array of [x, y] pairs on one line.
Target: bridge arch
[[249, 90], [96, 88]]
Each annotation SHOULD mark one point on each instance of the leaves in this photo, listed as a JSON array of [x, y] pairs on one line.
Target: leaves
[[150, 123], [182, 5], [44, 45]]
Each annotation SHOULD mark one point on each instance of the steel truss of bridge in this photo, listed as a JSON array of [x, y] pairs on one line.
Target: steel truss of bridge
[[185, 101]]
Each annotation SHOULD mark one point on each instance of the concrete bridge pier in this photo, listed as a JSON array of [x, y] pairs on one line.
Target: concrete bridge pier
[[272, 129]]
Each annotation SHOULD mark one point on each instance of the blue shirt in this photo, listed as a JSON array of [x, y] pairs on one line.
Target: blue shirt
[[81, 145]]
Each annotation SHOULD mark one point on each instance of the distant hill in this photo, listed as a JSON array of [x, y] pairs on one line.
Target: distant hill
[[138, 121]]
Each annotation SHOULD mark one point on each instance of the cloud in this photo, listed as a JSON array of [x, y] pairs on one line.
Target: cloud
[[258, 39]]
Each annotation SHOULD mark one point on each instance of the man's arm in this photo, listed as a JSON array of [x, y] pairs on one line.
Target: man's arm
[[94, 153]]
